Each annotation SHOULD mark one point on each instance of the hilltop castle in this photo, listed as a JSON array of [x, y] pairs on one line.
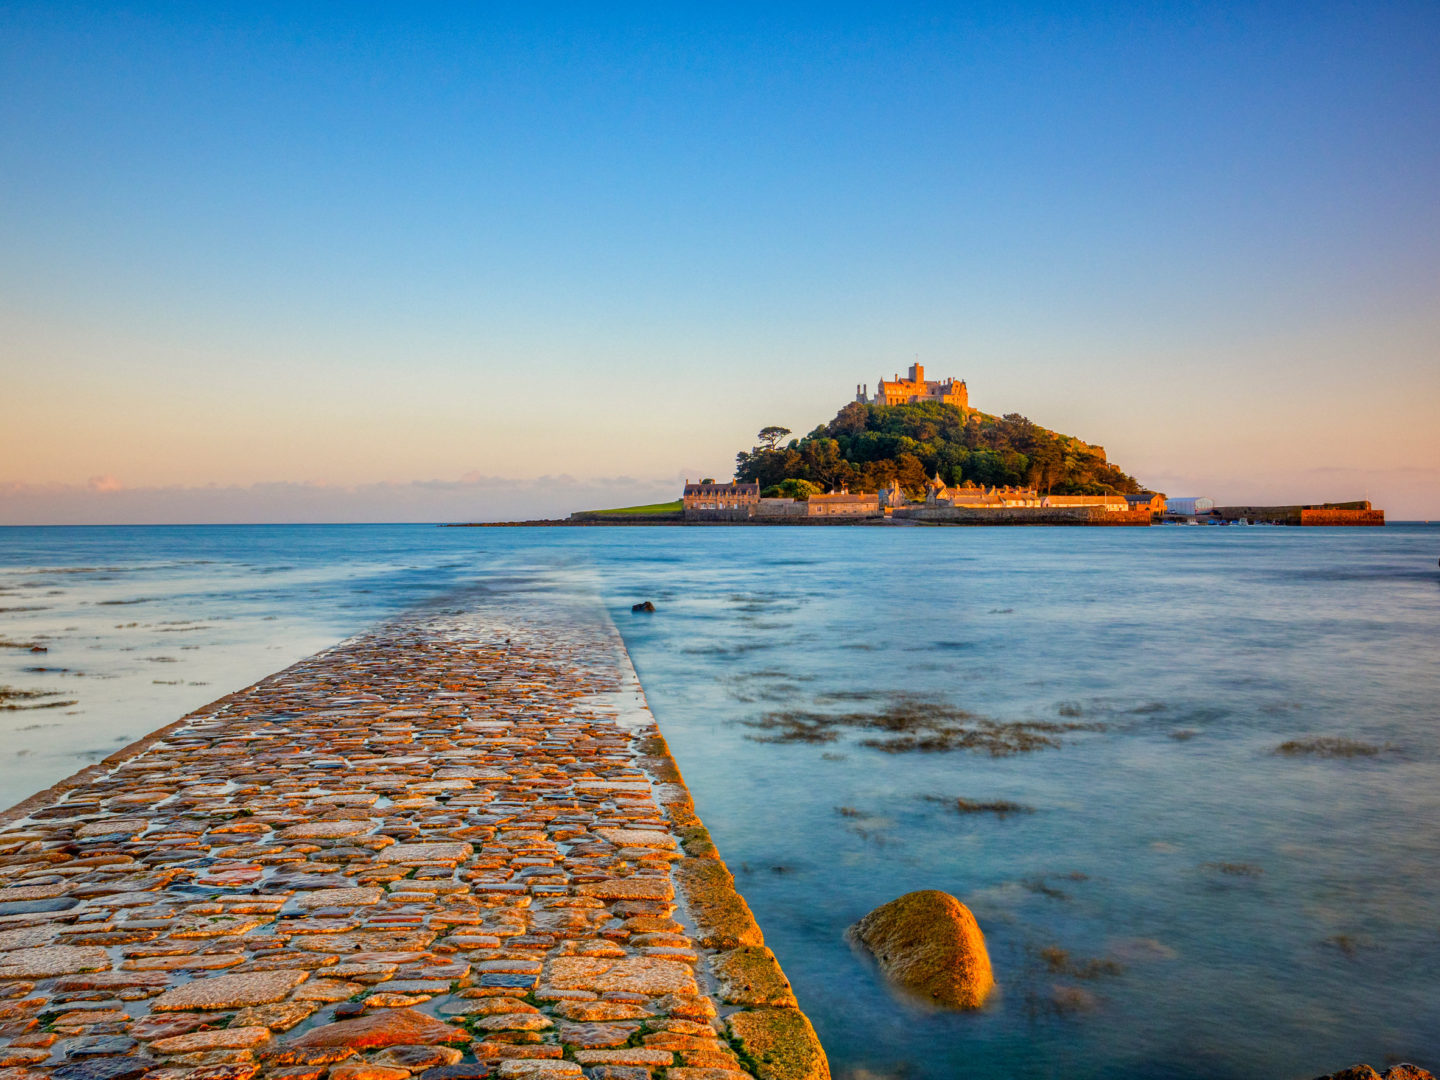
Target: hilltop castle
[[900, 391]]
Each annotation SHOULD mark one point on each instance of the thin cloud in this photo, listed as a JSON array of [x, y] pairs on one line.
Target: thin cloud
[[473, 496]]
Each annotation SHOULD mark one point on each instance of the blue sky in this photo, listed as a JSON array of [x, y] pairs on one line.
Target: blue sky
[[365, 247]]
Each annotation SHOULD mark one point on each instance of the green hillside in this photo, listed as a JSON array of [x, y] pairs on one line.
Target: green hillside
[[867, 446], [653, 508]]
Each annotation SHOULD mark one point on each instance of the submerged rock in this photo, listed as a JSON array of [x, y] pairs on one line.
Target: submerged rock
[[645, 605], [929, 942]]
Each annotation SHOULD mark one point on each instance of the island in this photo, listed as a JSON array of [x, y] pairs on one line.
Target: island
[[916, 453]]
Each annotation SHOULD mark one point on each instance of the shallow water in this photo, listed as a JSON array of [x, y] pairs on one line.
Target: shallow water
[[1176, 898]]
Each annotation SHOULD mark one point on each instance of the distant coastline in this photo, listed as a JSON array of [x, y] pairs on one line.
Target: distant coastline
[[1060, 518], [1345, 515]]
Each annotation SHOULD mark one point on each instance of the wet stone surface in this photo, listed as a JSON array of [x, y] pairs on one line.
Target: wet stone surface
[[433, 850]]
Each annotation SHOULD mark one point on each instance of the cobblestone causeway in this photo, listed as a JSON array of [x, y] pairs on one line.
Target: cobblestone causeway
[[455, 846]]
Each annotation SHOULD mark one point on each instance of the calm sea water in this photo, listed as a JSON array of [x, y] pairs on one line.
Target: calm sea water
[[1175, 897]]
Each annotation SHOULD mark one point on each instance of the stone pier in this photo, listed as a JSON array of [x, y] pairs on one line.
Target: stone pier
[[454, 846]]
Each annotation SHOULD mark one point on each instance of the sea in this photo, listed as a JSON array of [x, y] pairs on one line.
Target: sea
[[1187, 778]]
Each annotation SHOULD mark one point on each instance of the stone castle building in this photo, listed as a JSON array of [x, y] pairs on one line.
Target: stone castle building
[[907, 391]]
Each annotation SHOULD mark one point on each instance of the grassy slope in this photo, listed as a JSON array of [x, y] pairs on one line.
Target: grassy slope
[[653, 508]]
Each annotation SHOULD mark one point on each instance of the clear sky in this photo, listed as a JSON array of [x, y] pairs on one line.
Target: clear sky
[[417, 262]]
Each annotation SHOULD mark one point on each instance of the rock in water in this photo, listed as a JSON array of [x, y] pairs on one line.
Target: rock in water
[[931, 943], [1403, 1071], [645, 605]]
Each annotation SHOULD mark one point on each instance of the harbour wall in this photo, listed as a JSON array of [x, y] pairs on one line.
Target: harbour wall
[[932, 515], [1023, 515], [1352, 513]]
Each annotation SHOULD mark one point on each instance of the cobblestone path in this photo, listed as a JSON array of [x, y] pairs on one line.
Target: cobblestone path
[[455, 846]]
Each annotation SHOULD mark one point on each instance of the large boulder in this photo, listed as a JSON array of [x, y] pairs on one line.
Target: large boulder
[[928, 941], [1403, 1071]]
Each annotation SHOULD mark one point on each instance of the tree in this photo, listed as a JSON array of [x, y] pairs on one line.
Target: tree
[[911, 474], [851, 420], [867, 446], [792, 488], [824, 463], [770, 436]]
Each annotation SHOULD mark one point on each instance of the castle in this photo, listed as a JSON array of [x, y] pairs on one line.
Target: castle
[[900, 391]]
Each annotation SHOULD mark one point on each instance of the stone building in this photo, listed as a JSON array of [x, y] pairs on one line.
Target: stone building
[[916, 387], [1105, 502], [971, 497], [892, 496], [708, 500], [938, 493], [844, 504], [1147, 501]]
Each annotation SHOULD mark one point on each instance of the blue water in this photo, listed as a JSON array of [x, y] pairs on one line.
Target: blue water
[[1177, 900]]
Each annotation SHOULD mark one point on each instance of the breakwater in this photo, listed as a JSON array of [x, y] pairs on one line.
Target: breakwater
[[454, 846], [1359, 513]]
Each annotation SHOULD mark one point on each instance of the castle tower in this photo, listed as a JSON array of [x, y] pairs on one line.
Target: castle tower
[[916, 388]]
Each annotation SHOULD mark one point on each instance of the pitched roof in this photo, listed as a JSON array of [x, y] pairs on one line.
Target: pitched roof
[[731, 488]]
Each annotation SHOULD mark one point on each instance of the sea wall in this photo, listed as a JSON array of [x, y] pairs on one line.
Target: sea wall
[[455, 846], [1023, 515], [601, 518], [1326, 516], [782, 508], [742, 513], [1351, 513]]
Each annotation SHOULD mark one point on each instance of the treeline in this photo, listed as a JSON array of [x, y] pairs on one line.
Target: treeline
[[867, 446]]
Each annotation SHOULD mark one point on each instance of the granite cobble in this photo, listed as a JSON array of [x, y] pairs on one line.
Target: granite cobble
[[448, 847]]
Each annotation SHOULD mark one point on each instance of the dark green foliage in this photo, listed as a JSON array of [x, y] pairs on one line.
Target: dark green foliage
[[770, 436], [792, 489], [867, 446]]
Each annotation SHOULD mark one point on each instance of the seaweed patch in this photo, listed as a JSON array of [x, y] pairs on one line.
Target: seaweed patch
[[912, 724]]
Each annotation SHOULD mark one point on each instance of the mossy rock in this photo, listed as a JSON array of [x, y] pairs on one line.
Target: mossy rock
[[664, 769], [750, 975], [695, 839], [655, 754], [779, 1044], [723, 917], [929, 942]]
